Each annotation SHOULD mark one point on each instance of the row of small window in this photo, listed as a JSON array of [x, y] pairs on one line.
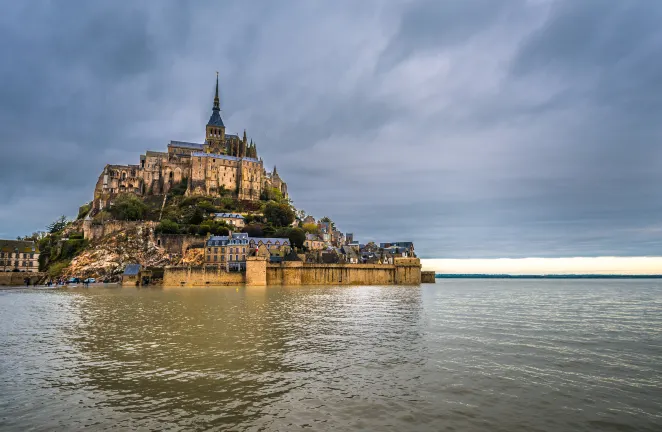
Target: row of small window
[[16, 255], [17, 263], [236, 258], [232, 250]]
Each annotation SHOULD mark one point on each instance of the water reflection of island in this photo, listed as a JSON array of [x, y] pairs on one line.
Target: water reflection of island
[[231, 356]]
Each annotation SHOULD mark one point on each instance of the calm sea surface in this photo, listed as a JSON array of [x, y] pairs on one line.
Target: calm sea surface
[[460, 355]]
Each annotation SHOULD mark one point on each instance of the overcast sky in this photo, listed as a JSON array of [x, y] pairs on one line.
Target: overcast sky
[[475, 128]]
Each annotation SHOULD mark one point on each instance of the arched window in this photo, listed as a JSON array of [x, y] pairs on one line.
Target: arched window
[[170, 175]]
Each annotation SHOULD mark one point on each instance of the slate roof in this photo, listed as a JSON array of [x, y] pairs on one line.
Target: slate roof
[[229, 215], [132, 270], [23, 246], [215, 119], [220, 156], [154, 153], [224, 240], [185, 144], [265, 240]]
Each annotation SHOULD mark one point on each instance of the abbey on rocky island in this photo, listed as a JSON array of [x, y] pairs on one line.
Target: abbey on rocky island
[[224, 163]]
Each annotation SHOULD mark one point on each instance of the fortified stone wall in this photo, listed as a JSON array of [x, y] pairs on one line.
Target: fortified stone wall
[[17, 278], [201, 276], [178, 243], [406, 271], [256, 271], [93, 232], [428, 277]]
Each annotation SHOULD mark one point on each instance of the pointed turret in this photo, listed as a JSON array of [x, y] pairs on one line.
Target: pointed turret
[[215, 119]]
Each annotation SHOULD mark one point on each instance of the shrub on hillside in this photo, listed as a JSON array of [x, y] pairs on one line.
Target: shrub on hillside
[[179, 189], [55, 270], [297, 236], [128, 207], [167, 226], [279, 215], [254, 230]]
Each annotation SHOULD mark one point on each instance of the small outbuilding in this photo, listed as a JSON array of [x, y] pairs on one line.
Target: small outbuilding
[[131, 275]]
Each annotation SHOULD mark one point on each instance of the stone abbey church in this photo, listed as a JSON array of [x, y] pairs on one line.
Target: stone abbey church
[[223, 163]]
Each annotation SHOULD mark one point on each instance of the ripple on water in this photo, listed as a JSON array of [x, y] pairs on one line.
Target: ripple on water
[[458, 355]]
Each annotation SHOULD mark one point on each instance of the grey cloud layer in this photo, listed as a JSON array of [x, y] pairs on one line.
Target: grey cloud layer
[[476, 128]]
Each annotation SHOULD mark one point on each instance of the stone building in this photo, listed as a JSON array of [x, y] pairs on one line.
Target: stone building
[[234, 219], [223, 163], [17, 255], [230, 251]]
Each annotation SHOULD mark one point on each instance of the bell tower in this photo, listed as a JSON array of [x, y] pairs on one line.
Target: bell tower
[[215, 132]]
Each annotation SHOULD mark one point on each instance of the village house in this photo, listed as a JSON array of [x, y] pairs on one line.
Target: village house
[[231, 251], [19, 255], [400, 248], [313, 242], [234, 219], [131, 275]]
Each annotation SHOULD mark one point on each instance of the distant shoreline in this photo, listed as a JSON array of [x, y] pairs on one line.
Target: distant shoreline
[[573, 276]]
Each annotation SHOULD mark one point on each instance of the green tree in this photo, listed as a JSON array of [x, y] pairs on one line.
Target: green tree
[[297, 236], [206, 206], [329, 221], [254, 230], [279, 215], [204, 228], [56, 269], [58, 225], [311, 228], [167, 227], [195, 216], [180, 188], [128, 207]]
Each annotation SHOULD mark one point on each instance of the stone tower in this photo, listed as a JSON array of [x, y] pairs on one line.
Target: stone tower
[[215, 136]]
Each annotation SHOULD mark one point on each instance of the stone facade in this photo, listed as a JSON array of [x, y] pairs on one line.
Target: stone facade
[[18, 279], [17, 255], [231, 251], [223, 164], [299, 273], [201, 276]]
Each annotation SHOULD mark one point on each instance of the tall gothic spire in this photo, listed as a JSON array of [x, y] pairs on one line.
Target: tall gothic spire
[[215, 119], [217, 101]]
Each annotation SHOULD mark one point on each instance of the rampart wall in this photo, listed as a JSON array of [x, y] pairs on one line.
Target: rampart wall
[[405, 271], [201, 276], [18, 278], [93, 232], [178, 243]]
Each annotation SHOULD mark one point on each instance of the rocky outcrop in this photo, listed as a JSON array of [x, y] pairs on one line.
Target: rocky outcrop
[[107, 256]]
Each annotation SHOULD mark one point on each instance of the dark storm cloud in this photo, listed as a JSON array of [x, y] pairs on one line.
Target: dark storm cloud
[[475, 128]]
